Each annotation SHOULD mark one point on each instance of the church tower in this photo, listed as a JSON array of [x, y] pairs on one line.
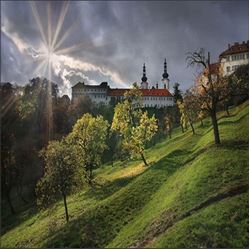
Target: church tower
[[165, 80], [144, 83]]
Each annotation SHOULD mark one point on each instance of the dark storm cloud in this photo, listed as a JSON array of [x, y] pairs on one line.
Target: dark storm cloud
[[120, 36]]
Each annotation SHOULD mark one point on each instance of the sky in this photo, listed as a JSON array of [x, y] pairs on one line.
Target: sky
[[98, 41]]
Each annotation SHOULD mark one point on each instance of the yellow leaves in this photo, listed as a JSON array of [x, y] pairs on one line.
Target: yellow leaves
[[168, 122], [134, 125], [121, 117]]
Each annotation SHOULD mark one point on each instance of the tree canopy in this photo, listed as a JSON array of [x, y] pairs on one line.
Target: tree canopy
[[134, 125]]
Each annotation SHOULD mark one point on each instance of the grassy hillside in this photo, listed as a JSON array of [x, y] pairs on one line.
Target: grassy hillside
[[193, 194]]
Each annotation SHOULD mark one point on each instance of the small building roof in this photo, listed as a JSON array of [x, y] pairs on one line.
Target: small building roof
[[215, 68], [236, 48], [82, 85], [78, 85]]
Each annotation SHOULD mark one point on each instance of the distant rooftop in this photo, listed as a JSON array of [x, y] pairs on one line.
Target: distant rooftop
[[145, 92], [236, 48], [81, 85]]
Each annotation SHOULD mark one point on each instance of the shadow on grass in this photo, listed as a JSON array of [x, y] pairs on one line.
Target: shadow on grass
[[233, 121], [102, 191], [10, 221], [99, 225], [229, 144]]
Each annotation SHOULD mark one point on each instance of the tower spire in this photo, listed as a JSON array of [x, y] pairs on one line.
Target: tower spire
[[144, 77], [165, 74]]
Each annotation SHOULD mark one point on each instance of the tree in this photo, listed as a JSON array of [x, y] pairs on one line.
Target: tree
[[78, 108], [135, 126], [168, 124], [60, 174], [177, 92], [61, 115], [9, 124], [211, 88], [89, 136], [191, 108], [201, 116], [238, 85], [184, 117]]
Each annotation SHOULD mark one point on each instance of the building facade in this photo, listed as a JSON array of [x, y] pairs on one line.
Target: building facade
[[156, 96], [235, 56], [229, 60]]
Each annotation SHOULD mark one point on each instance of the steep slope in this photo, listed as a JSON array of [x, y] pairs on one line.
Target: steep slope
[[175, 202]]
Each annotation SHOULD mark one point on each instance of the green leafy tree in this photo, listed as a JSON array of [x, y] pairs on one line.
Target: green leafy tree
[[238, 86], [177, 92], [135, 126], [60, 174], [89, 135]]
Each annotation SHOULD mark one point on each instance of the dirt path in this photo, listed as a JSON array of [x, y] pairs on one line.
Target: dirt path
[[169, 218]]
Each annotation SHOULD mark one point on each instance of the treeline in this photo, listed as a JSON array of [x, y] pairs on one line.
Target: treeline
[[34, 114]]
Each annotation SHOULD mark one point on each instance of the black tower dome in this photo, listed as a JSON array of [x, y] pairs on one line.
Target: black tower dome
[[144, 78], [165, 74]]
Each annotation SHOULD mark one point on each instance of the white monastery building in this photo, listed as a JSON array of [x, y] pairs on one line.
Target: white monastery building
[[235, 56], [151, 97]]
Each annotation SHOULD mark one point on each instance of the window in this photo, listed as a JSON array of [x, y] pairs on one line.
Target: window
[[228, 69], [228, 58], [235, 67]]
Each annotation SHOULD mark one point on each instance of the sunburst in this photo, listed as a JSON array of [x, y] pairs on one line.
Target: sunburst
[[50, 50]]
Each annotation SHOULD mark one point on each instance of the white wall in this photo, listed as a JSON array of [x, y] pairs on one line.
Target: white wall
[[96, 95], [229, 61], [99, 95]]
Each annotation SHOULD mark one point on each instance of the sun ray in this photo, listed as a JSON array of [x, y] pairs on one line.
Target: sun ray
[[49, 25], [39, 24], [40, 66], [65, 35], [70, 49], [5, 108], [63, 13]]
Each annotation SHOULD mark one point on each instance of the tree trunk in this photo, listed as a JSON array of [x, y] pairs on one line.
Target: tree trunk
[[169, 133], [65, 206], [182, 129], [90, 177], [228, 114], [215, 127], [9, 201], [20, 193], [202, 125], [192, 127], [144, 160]]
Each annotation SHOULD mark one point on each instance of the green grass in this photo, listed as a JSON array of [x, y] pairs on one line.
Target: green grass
[[134, 203], [223, 224]]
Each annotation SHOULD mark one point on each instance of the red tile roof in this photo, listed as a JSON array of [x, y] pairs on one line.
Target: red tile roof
[[236, 48], [145, 92], [215, 68]]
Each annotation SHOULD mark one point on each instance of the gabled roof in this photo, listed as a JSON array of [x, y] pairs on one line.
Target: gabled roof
[[78, 85], [236, 49], [145, 92], [82, 85]]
